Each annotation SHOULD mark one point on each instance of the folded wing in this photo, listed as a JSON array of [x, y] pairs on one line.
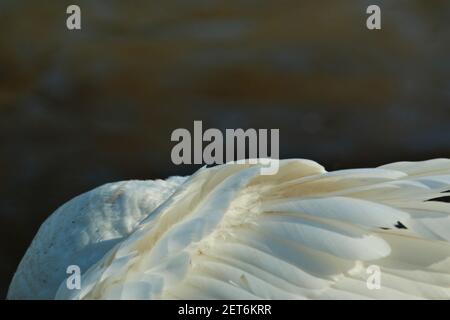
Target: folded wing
[[231, 233]]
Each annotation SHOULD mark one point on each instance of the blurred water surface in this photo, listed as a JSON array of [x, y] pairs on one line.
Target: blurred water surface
[[79, 109]]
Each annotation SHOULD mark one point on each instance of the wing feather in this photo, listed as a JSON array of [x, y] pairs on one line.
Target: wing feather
[[231, 233]]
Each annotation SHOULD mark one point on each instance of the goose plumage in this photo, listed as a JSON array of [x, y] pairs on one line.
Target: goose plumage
[[229, 232]]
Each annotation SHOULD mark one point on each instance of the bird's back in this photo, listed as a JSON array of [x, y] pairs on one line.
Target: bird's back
[[230, 232]]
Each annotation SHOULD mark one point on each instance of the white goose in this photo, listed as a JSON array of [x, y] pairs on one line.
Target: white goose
[[228, 232]]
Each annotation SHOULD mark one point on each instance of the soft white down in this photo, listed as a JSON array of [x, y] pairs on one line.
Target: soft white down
[[229, 232]]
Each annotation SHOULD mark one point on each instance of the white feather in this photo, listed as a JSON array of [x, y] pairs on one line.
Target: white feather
[[229, 232]]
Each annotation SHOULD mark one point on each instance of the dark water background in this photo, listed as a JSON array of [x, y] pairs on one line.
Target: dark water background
[[80, 109]]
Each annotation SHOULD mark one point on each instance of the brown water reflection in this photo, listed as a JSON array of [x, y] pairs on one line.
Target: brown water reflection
[[79, 109]]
